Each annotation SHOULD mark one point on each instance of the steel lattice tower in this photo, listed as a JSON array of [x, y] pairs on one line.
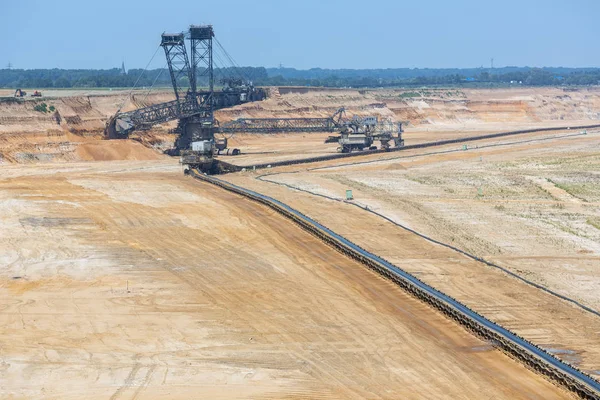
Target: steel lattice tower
[[201, 37], [177, 59]]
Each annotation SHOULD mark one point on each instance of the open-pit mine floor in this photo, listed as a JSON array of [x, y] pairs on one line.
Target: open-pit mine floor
[[128, 280], [529, 204]]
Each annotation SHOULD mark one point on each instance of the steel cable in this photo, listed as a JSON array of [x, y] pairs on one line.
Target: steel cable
[[138, 79]]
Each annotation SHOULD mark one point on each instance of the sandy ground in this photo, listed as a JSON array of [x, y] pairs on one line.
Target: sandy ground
[[520, 219], [531, 203], [128, 280], [79, 117]]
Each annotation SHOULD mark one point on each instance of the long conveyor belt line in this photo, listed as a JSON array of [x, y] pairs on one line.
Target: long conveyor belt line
[[512, 344], [264, 178], [227, 167]]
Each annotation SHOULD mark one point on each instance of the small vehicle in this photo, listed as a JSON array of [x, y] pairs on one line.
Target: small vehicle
[[36, 93]]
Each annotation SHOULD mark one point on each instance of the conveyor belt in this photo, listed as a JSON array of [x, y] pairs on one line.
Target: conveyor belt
[[517, 347], [226, 167]]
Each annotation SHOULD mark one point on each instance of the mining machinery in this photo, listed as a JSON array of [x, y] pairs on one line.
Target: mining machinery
[[361, 133], [193, 108], [357, 133], [283, 125]]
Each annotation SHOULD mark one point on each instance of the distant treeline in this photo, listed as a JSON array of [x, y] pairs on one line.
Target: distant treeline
[[106, 78], [81, 78], [435, 76]]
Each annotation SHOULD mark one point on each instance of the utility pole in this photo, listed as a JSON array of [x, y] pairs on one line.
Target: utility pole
[[492, 62]]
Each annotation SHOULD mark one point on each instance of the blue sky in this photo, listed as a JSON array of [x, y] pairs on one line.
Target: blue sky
[[306, 33]]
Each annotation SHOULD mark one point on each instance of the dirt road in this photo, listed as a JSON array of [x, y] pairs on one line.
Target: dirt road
[[127, 280]]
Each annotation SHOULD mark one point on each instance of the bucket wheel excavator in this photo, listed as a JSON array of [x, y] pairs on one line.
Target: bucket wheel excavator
[[193, 108]]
